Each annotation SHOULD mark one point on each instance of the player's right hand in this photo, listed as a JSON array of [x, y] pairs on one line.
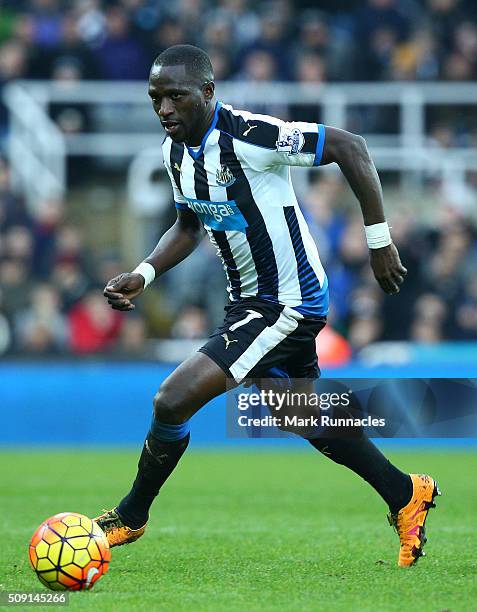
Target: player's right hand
[[123, 288]]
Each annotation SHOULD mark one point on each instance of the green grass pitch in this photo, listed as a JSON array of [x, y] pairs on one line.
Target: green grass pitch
[[250, 530]]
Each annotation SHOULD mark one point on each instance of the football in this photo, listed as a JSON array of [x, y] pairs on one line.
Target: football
[[69, 552]]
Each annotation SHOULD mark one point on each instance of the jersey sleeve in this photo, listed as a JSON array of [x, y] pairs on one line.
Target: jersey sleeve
[[283, 143], [179, 200]]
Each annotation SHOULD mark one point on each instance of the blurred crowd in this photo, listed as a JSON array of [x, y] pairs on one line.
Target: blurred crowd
[[51, 277], [51, 285], [262, 41], [267, 40], [51, 282], [438, 300]]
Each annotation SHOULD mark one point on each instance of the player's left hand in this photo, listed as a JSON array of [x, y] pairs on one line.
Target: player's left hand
[[388, 269]]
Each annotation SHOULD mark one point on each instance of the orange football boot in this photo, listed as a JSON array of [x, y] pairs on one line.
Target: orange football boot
[[115, 530], [409, 522]]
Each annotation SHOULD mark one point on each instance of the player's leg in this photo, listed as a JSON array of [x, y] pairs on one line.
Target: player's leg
[[195, 382], [362, 457], [351, 448], [408, 497]]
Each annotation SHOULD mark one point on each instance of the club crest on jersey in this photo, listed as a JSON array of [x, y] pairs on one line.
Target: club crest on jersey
[[290, 141], [224, 177]]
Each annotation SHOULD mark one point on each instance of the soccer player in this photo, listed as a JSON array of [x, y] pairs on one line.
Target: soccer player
[[230, 175]]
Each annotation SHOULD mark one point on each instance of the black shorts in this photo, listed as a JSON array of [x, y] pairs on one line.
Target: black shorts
[[260, 339]]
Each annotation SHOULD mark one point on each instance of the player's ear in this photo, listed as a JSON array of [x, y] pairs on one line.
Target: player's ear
[[208, 89]]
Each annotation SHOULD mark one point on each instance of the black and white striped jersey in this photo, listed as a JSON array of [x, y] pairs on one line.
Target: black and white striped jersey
[[238, 183]]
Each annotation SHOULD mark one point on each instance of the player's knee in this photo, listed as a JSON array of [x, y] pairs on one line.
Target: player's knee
[[169, 407]]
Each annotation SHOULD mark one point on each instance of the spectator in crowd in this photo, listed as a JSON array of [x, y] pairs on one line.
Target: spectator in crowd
[[12, 208], [5, 332], [93, 326], [271, 43], [245, 23], [143, 15], [13, 65], [221, 64], [317, 37], [121, 55], [430, 315], [70, 281], [170, 31], [191, 323], [41, 328], [73, 51], [48, 218], [91, 21], [444, 17], [16, 287], [416, 58], [379, 15], [465, 42], [18, 245], [191, 13], [47, 18], [466, 313], [324, 213], [132, 341], [218, 40], [310, 69]]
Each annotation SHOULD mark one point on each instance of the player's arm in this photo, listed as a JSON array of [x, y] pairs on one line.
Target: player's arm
[[175, 245], [351, 154]]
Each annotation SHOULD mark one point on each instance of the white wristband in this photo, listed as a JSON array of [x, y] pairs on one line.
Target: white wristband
[[147, 271], [377, 235]]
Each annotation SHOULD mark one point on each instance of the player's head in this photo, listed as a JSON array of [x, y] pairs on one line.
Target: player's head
[[182, 91]]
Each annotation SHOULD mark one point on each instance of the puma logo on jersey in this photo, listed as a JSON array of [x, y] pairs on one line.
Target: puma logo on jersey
[[251, 315], [177, 167], [227, 341], [249, 129]]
